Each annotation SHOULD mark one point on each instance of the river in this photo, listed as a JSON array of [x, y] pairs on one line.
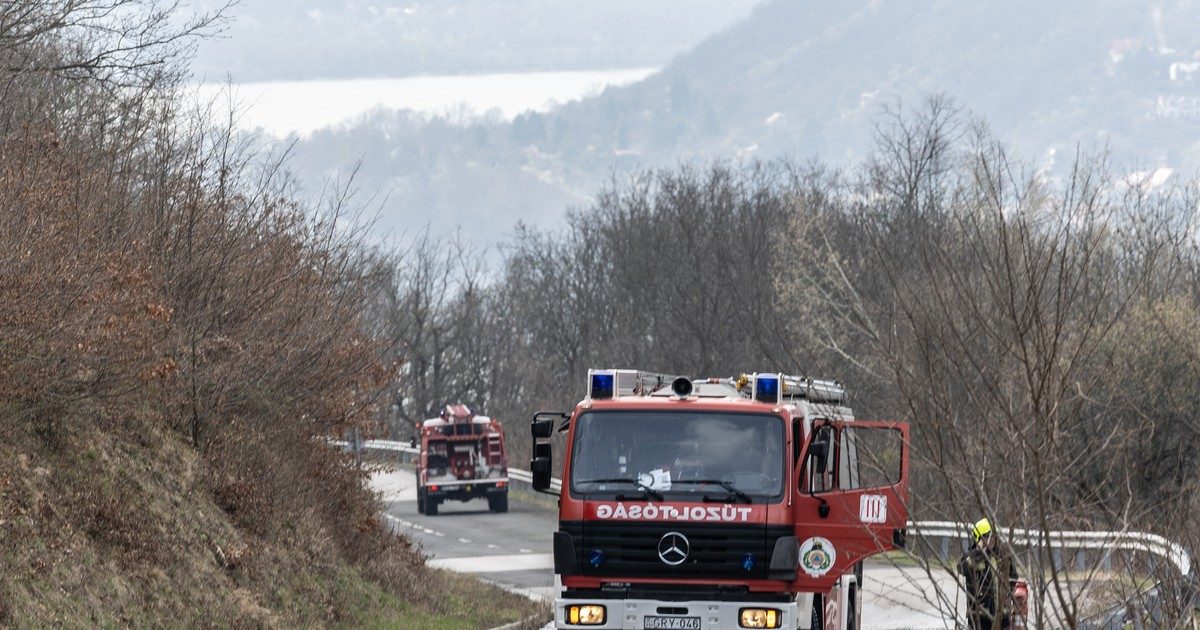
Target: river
[[301, 107]]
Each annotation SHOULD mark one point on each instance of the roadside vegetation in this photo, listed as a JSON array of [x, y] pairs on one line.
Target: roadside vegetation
[[1039, 331], [179, 338]]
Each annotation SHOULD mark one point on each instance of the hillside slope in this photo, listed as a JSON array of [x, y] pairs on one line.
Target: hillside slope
[[115, 524], [803, 79], [179, 340]]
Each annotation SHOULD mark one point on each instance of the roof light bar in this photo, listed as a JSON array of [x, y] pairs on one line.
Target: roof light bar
[[775, 387], [767, 387], [611, 383]]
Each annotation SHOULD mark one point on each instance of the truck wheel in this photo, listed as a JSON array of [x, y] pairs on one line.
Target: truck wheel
[[498, 503], [818, 613], [420, 501], [431, 506], [852, 613]]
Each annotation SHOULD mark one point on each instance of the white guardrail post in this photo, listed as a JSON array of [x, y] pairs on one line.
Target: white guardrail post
[[1107, 541]]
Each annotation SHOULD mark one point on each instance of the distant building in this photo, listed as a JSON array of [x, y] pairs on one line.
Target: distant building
[[1184, 71]]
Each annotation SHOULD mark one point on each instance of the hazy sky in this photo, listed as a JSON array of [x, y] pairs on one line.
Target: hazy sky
[[271, 40], [737, 79]]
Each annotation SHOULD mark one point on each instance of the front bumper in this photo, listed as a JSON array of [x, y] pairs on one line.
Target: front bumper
[[631, 614]]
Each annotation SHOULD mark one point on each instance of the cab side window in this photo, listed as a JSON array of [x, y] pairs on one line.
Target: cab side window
[[871, 457], [847, 464]]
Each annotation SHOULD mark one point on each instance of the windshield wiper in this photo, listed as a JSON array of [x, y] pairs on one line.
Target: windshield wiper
[[733, 490], [641, 486]]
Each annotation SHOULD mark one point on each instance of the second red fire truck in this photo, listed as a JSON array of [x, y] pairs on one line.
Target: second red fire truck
[[462, 458], [745, 502]]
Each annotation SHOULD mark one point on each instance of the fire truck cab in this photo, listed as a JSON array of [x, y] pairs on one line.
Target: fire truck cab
[[744, 502]]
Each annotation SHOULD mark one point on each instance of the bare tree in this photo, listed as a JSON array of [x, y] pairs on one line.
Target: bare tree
[[984, 299]]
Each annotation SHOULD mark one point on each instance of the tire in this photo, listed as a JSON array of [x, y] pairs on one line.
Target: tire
[[817, 621], [420, 501], [498, 503], [852, 613], [855, 595], [431, 507]]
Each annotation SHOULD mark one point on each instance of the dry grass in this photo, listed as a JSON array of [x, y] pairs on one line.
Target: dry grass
[[100, 528]]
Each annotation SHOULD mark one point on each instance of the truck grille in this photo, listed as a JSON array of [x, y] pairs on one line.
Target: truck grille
[[631, 549]]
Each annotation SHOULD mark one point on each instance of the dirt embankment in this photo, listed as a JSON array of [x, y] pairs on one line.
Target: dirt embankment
[[120, 525]]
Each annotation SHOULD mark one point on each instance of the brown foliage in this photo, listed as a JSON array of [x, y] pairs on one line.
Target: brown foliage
[[158, 285], [79, 309]]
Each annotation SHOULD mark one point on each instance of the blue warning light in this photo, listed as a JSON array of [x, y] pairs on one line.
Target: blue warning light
[[602, 385], [766, 388]]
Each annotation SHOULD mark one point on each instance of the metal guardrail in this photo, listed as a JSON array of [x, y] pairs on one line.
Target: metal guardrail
[[380, 445], [514, 474], [1107, 541], [527, 477]]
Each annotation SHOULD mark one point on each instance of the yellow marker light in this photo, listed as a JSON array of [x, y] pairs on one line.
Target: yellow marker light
[[585, 615], [759, 618]]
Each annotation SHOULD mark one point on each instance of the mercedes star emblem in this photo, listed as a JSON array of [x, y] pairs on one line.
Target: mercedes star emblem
[[673, 548]]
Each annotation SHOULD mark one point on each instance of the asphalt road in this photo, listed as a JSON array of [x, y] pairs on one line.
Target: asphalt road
[[512, 550]]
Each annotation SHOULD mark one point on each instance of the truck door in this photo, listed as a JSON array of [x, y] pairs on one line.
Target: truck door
[[852, 497]]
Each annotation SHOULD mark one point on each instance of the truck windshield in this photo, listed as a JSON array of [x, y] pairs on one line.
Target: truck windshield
[[685, 456]]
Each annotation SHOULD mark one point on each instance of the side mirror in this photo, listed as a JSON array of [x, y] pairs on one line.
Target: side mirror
[[539, 466], [542, 428], [543, 423], [818, 454]]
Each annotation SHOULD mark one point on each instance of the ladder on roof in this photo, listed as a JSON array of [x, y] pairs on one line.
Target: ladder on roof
[[494, 451]]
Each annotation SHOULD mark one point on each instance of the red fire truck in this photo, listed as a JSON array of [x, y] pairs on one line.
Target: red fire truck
[[462, 458], [745, 502]]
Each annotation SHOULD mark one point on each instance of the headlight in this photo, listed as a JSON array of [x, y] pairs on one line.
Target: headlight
[[585, 615], [759, 618]]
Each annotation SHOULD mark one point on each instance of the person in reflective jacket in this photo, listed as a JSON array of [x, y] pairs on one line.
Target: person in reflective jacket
[[989, 575]]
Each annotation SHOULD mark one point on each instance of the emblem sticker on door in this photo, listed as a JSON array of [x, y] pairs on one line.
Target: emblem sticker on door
[[872, 508], [817, 556]]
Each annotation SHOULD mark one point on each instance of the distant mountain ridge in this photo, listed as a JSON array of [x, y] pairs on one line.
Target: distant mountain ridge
[[810, 78]]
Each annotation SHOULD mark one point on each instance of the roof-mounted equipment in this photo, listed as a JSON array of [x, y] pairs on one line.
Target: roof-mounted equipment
[[604, 384], [681, 387], [772, 388]]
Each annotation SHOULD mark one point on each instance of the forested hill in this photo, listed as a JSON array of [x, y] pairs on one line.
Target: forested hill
[[810, 76], [804, 79]]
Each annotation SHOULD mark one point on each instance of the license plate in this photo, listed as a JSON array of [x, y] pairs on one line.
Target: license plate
[[672, 623]]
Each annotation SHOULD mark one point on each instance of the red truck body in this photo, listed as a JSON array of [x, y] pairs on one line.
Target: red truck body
[[462, 458], [716, 503]]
